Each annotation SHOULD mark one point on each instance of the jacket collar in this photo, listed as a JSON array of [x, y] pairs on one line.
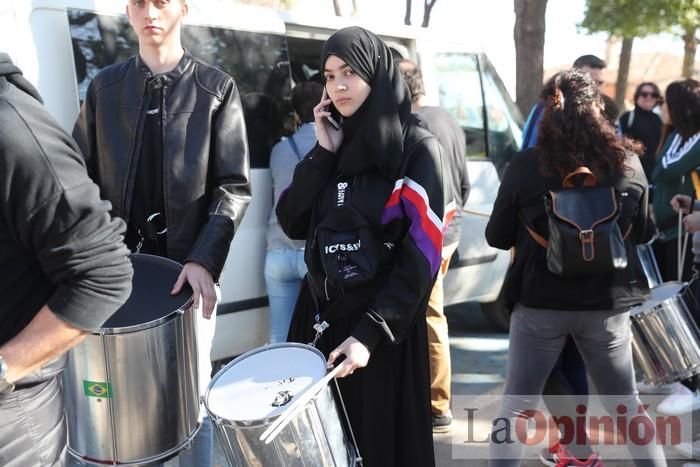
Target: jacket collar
[[171, 75]]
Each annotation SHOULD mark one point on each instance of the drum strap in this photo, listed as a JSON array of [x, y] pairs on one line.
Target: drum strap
[[358, 459]]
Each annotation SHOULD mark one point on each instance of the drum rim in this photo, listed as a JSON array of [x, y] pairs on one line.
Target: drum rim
[[642, 313], [212, 383], [158, 321]]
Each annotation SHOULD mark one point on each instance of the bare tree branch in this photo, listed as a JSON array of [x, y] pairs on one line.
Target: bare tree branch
[[427, 8]]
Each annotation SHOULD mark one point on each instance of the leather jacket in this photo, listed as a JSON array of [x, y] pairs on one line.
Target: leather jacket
[[205, 151]]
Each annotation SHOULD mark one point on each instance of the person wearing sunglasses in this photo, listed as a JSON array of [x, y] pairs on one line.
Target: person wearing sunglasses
[[643, 124]]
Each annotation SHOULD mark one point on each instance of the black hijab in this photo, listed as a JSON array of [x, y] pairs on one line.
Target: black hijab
[[373, 135]]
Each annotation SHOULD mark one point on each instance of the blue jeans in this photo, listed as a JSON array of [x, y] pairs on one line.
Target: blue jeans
[[284, 271], [200, 451]]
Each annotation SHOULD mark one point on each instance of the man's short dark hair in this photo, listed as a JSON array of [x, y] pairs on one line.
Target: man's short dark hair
[[591, 61], [413, 76], [305, 96]]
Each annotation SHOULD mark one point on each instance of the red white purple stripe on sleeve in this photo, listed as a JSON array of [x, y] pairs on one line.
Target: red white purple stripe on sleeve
[[410, 199]]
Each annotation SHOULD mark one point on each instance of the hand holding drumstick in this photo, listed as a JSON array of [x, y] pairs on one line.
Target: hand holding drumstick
[[684, 204]]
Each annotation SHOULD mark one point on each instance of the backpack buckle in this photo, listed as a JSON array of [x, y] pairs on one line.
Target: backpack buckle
[[587, 238]]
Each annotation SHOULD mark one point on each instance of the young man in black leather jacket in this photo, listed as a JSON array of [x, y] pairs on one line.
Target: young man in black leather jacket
[[163, 135]]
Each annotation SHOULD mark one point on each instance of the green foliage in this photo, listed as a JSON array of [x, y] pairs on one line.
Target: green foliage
[[631, 18], [685, 13]]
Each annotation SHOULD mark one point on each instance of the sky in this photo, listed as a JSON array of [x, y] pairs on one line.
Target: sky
[[489, 26]]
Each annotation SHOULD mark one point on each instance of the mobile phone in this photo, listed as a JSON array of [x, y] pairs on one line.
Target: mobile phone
[[334, 117]]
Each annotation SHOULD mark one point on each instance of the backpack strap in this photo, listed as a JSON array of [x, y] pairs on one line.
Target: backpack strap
[[295, 148], [630, 119], [539, 239], [589, 180]]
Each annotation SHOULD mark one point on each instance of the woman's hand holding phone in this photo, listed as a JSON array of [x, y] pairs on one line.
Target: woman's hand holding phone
[[328, 136]]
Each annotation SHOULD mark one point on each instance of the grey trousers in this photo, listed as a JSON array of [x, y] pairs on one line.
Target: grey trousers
[[33, 427], [537, 337]]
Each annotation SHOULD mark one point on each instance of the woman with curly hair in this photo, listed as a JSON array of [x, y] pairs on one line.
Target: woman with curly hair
[[593, 308]]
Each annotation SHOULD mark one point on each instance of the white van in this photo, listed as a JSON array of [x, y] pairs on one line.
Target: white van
[[62, 44]]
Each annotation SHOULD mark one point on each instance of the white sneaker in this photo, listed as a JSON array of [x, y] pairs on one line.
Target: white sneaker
[[690, 450], [645, 388], [680, 402]]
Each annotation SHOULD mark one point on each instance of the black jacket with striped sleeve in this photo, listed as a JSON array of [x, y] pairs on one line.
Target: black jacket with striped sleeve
[[405, 210]]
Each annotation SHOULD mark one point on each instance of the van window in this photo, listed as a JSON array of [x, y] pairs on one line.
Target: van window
[[258, 62], [459, 88], [503, 119]]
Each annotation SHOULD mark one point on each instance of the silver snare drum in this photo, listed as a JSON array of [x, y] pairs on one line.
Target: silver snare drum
[[131, 388], [253, 390], [665, 337]]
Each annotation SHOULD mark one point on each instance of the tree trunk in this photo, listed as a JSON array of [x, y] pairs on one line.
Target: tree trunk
[[407, 18], [354, 14], [623, 71], [529, 50], [336, 7], [427, 9], [690, 45]]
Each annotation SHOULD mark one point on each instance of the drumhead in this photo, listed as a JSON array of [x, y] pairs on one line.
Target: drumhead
[[150, 298], [244, 390]]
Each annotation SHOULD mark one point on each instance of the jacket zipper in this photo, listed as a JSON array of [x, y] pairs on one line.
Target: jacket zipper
[[163, 160]]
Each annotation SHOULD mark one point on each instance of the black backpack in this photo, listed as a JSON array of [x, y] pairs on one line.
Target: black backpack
[[584, 235]]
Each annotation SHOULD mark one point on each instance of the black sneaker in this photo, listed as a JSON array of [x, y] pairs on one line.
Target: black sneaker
[[442, 423]]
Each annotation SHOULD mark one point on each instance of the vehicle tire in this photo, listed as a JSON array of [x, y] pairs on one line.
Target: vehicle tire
[[496, 313]]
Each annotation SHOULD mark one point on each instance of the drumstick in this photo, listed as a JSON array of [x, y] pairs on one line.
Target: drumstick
[[296, 406], [680, 257], [685, 250]]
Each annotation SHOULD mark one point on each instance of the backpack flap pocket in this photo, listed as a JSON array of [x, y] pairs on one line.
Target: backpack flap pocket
[[584, 236]]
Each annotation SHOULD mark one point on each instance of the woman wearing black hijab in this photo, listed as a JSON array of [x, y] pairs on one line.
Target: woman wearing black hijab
[[368, 199]]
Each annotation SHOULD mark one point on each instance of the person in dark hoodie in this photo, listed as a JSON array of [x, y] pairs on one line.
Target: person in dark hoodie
[[643, 124], [368, 200], [65, 270]]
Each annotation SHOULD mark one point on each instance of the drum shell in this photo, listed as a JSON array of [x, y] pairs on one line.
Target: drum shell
[[315, 437], [154, 408], [666, 338]]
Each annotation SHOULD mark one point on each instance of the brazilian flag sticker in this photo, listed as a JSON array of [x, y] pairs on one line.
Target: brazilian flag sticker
[[97, 389]]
